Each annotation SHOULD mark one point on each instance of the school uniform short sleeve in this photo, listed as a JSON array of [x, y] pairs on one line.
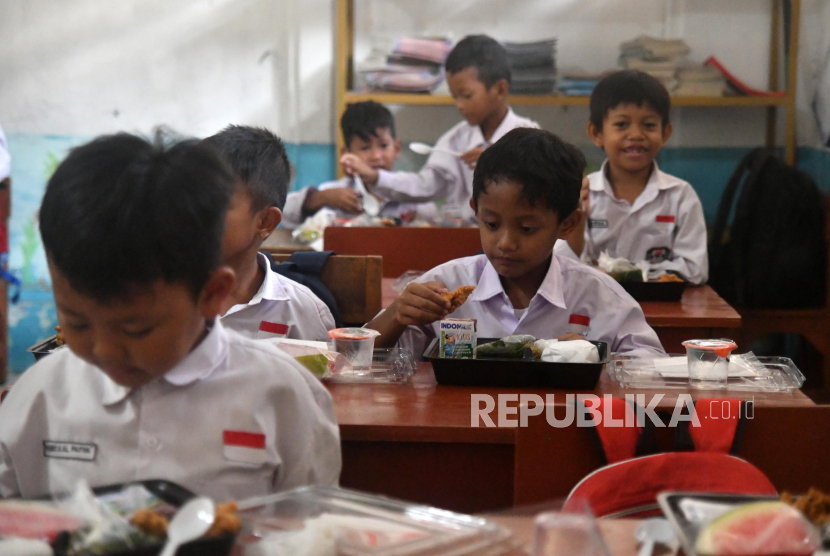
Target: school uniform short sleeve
[[569, 288], [281, 308], [665, 226], [445, 176], [234, 419]]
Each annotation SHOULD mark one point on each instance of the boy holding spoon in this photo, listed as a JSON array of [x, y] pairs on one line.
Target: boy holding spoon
[[478, 74]]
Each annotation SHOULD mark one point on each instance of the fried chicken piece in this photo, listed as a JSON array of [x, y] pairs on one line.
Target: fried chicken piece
[[669, 277], [458, 296], [815, 505], [58, 336], [150, 523], [226, 521]]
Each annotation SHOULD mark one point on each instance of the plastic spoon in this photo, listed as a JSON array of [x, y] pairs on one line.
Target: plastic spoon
[[190, 522], [423, 148], [370, 203], [652, 531]]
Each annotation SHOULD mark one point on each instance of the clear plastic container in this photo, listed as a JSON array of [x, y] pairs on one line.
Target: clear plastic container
[[708, 362], [357, 344], [389, 366], [351, 523]]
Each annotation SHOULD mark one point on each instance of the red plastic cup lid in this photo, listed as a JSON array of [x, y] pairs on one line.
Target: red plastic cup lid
[[353, 333], [722, 346]]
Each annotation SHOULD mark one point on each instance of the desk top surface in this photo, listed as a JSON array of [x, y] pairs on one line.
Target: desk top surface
[[423, 410]]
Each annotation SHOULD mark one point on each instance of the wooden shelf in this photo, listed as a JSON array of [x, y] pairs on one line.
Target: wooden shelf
[[557, 100]]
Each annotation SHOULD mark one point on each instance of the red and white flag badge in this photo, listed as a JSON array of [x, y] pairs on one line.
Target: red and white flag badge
[[581, 320], [271, 330], [247, 447], [666, 218]]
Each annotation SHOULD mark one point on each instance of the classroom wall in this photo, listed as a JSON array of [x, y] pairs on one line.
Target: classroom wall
[[74, 69]]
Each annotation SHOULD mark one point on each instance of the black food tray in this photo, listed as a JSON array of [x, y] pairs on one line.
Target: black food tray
[[174, 495], [517, 373], [44, 348], [655, 291]]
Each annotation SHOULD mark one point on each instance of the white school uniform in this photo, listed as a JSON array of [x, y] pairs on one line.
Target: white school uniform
[[281, 308], [571, 291], [445, 176], [664, 226], [235, 418], [293, 215], [5, 157]]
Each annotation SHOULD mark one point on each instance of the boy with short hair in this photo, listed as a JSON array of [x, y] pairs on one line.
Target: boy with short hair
[[478, 74], [263, 304], [636, 211], [369, 135], [152, 385], [525, 196]]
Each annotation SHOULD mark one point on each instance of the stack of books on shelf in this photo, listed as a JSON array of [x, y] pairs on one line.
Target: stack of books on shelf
[[700, 81], [533, 67], [577, 83], [659, 58], [414, 65]]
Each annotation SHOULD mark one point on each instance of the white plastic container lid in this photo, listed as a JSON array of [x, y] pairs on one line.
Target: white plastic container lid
[[353, 333]]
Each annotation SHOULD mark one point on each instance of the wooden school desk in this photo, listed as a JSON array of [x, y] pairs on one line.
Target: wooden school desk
[[701, 313], [415, 442], [280, 241]]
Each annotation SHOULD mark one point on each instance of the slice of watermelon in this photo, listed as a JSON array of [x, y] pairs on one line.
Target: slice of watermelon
[[34, 520], [759, 528]]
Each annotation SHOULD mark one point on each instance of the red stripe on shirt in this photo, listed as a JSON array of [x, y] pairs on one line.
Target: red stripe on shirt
[[245, 439], [665, 218], [582, 320], [273, 327]]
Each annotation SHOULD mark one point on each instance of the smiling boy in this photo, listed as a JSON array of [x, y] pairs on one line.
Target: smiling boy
[[636, 211], [525, 194], [478, 75], [151, 385]]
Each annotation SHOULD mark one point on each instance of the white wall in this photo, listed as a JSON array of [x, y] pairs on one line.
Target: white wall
[[83, 67]]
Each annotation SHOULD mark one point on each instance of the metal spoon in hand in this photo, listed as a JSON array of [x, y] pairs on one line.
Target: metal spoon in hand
[[190, 522], [370, 204], [423, 148], [652, 531]]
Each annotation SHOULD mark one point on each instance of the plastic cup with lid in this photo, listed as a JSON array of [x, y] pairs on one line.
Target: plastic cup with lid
[[357, 344], [708, 362]]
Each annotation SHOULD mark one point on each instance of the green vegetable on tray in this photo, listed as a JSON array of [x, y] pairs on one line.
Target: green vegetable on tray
[[501, 350], [635, 275], [317, 364]]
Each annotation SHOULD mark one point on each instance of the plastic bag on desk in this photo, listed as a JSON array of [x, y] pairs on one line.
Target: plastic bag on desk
[[623, 270], [568, 351], [322, 362]]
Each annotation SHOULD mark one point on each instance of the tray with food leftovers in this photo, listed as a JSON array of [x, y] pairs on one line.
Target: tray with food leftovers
[[523, 361], [642, 282], [47, 346], [337, 522], [118, 520]]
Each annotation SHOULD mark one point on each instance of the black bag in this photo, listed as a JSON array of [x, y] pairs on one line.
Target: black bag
[[774, 254], [304, 267]]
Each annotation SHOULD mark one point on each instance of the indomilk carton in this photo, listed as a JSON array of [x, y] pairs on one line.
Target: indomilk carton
[[458, 338]]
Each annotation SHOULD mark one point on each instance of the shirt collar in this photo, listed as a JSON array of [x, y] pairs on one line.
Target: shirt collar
[[196, 365], [489, 285], [477, 138], [271, 289], [657, 180]]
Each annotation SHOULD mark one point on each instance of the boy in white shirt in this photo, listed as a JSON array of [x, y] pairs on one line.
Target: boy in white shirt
[[152, 385], [636, 211], [525, 196], [263, 304], [478, 74], [369, 134]]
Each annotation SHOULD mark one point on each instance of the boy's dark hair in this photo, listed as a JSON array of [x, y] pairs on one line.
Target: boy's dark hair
[[363, 119], [548, 169], [629, 86], [121, 212], [483, 53], [258, 158]]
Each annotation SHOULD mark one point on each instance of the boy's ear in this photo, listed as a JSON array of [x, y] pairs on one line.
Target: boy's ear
[[667, 132], [473, 205], [570, 224], [216, 290], [269, 219], [595, 135], [397, 148], [502, 88]]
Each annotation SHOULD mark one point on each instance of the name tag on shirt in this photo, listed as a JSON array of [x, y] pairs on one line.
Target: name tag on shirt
[[597, 223], [666, 218], [272, 330], [247, 447], [70, 450]]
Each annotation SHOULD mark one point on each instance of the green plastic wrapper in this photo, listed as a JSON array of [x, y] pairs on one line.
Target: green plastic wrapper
[[317, 364], [627, 276], [501, 350]]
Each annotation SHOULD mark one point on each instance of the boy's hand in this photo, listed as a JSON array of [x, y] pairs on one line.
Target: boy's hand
[[342, 198], [421, 304], [471, 157], [353, 166]]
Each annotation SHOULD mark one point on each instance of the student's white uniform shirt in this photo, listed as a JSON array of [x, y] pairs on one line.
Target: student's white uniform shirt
[[664, 226], [293, 216], [281, 308], [235, 418], [445, 176], [569, 288]]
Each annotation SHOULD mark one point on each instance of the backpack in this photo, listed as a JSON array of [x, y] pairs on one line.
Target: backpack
[[774, 255]]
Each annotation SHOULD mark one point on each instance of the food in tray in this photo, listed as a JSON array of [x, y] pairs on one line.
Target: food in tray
[[669, 277], [525, 346], [154, 523], [815, 505], [458, 296], [758, 528]]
